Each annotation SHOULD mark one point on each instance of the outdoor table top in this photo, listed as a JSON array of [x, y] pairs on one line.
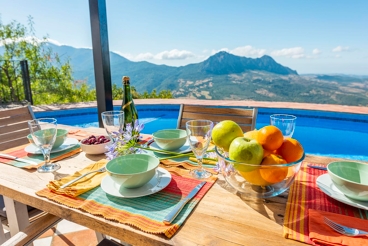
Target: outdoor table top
[[223, 217]]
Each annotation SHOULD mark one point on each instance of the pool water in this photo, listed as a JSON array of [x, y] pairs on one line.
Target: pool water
[[341, 135]]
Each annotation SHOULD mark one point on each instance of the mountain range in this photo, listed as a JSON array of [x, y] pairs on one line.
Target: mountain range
[[225, 76]]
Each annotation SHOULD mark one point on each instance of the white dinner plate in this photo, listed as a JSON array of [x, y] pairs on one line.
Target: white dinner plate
[[325, 183], [68, 143], [161, 179], [184, 149]]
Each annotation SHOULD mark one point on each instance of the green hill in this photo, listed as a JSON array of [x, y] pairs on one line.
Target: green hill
[[226, 76]]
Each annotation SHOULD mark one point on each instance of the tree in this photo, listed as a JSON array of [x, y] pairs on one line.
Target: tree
[[51, 78]]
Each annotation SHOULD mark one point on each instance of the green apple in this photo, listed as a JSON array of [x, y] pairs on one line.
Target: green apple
[[247, 151], [225, 132]]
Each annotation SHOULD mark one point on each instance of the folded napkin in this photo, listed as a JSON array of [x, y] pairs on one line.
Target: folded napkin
[[83, 185], [322, 234]]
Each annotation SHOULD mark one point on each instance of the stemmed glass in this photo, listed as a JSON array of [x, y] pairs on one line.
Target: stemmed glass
[[285, 122], [199, 136], [113, 122], [43, 133]]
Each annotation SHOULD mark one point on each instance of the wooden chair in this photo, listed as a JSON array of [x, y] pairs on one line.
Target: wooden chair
[[33, 231], [245, 117], [13, 132], [14, 126]]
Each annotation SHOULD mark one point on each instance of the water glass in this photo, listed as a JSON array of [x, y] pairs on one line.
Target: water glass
[[199, 137], [285, 122], [43, 133], [113, 122]]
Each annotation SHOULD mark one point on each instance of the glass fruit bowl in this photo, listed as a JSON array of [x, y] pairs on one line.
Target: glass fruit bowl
[[257, 181]]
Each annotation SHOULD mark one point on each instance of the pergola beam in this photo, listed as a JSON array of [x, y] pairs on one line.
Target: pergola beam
[[101, 56]]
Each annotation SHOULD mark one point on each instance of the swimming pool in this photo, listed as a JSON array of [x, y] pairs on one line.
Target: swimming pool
[[341, 135]]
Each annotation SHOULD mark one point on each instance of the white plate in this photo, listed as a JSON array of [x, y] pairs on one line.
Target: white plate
[[68, 143], [161, 179], [184, 149], [325, 183]]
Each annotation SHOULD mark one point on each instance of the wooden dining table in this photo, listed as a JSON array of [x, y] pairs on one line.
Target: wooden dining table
[[222, 217]]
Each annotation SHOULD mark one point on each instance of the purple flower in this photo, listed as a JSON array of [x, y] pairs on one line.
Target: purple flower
[[125, 142]]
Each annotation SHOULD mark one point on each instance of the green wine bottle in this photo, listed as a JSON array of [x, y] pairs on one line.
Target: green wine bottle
[[130, 111]]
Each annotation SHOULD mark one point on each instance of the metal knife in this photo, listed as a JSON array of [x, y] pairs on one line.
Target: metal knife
[[18, 159], [172, 215], [317, 167]]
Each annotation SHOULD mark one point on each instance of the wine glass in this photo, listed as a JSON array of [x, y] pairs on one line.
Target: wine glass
[[285, 122], [199, 136], [113, 122], [43, 133]]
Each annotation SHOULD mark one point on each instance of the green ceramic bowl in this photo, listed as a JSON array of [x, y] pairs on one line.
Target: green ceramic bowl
[[132, 171], [60, 138], [351, 178], [170, 139]]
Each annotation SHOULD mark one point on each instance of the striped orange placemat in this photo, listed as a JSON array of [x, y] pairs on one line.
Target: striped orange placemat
[[304, 194], [147, 212], [20, 152]]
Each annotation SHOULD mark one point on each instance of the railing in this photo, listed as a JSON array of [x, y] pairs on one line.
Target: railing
[[14, 82]]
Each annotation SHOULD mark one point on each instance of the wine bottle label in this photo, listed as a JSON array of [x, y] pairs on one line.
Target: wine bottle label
[[127, 104]]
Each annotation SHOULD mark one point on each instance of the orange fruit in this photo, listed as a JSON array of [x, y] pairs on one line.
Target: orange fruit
[[291, 150], [270, 137], [254, 177], [269, 172], [251, 134], [273, 159], [267, 152]]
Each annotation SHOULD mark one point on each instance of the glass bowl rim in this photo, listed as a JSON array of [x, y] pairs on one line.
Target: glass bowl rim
[[257, 165]]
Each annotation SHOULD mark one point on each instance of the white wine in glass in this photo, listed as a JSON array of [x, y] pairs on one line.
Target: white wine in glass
[[43, 133], [199, 137], [113, 122]]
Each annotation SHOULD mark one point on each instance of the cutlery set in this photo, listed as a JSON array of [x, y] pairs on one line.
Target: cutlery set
[[101, 170], [348, 231], [317, 167], [18, 159]]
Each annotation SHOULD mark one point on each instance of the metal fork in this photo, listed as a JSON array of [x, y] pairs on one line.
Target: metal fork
[[101, 170], [348, 231]]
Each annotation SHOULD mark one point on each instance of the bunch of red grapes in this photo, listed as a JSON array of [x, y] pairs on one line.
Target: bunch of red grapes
[[93, 140]]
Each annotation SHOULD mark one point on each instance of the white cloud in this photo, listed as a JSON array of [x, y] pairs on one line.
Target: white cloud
[[54, 42], [296, 52], [125, 55], [247, 51], [217, 51], [29, 39], [316, 52], [144, 56], [340, 49], [174, 54]]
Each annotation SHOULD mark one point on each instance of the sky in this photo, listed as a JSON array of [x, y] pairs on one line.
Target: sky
[[310, 36]]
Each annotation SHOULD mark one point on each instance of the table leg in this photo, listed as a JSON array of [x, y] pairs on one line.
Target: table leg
[[17, 214], [2, 234]]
